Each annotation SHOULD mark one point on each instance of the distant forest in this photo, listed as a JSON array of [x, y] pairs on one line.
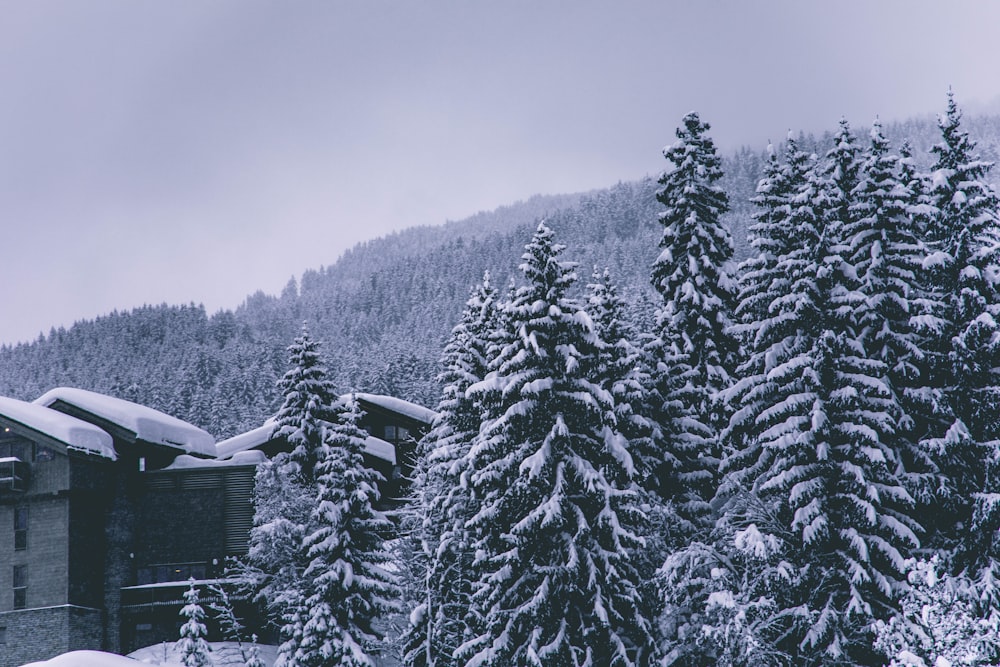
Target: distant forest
[[384, 309]]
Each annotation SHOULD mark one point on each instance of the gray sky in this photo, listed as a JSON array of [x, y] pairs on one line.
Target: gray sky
[[199, 151]]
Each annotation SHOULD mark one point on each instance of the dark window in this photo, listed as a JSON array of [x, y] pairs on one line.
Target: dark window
[[43, 454], [20, 586], [396, 434], [14, 445], [20, 528], [3, 635]]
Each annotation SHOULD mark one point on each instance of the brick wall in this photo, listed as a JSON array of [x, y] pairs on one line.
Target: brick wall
[[40, 634]]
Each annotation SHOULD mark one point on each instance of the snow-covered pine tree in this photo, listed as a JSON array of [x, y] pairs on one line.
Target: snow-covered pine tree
[[348, 585], [253, 658], [814, 410], [768, 324], [284, 488], [965, 238], [555, 500], [694, 351], [622, 369], [722, 594], [940, 622], [194, 650], [307, 399], [883, 244], [444, 616]]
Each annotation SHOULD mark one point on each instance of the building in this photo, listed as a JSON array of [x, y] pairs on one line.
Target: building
[[112, 507]]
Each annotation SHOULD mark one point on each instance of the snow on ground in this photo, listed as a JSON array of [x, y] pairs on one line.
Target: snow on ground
[[148, 424], [86, 659], [74, 433], [224, 654]]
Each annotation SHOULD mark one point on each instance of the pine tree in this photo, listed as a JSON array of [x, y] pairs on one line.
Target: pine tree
[[254, 659], [348, 585], [552, 477], [444, 616], [814, 420], [694, 352], [192, 646], [307, 399], [883, 245], [965, 238], [622, 369]]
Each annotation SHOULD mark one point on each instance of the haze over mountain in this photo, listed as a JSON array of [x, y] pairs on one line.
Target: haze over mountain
[[384, 308]]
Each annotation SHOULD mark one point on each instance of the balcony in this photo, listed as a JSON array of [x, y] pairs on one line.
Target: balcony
[[14, 475]]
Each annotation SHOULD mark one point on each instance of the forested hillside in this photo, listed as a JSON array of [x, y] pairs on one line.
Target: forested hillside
[[384, 308]]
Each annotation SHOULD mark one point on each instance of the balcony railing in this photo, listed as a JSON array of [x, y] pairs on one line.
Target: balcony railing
[[14, 475]]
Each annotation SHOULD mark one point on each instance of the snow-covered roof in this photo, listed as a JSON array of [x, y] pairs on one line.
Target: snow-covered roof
[[249, 457], [72, 432], [245, 442], [147, 424], [398, 405], [380, 449]]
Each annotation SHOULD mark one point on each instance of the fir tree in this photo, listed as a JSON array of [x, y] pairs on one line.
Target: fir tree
[[192, 646], [348, 585], [964, 236], [883, 245], [444, 616], [254, 659], [695, 352], [307, 399], [552, 479], [814, 421]]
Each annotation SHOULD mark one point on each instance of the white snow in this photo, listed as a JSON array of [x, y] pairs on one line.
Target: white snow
[[87, 659], [246, 442], [398, 405], [147, 424], [224, 654], [74, 433], [249, 457]]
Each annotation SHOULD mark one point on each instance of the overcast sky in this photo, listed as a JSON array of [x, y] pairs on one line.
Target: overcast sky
[[197, 151]]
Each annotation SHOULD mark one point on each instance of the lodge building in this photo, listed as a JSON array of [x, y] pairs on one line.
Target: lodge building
[[110, 507]]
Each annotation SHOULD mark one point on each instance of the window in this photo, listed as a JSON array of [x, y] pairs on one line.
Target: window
[[3, 635], [20, 586], [20, 528], [396, 434], [13, 445]]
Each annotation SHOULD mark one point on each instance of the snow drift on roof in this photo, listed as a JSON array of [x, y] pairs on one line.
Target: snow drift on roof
[[398, 405], [250, 457], [72, 432], [245, 442], [147, 424]]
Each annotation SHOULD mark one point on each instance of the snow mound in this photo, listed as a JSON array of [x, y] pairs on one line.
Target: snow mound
[[74, 433], [235, 450], [147, 424], [250, 457], [246, 441], [86, 659], [224, 654]]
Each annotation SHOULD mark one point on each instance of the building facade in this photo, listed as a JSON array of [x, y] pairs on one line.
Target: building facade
[[110, 508]]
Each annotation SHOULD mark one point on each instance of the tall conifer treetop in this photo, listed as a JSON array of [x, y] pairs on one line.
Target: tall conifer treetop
[[690, 272]]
